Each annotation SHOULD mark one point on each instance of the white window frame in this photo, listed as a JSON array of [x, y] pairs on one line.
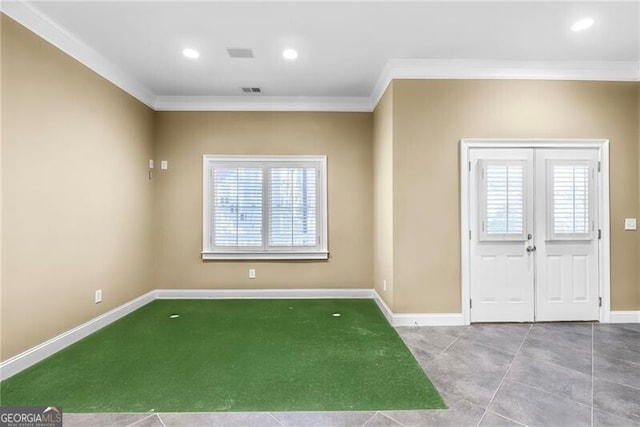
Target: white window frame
[[319, 252], [551, 234], [482, 199]]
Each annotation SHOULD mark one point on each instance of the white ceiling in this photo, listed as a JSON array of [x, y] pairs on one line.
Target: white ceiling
[[345, 48]]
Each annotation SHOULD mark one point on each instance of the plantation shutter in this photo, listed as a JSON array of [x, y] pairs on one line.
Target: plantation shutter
[[570, 194], [293, 207], [264, 207], [502, 198], [237, 200]]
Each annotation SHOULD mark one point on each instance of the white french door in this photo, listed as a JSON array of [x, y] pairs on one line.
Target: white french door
[[534, 230], [502, 271]]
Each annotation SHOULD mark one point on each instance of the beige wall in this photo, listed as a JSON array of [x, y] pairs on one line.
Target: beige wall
[[430, 118], [77, 201], [383, 196], [183, 137]]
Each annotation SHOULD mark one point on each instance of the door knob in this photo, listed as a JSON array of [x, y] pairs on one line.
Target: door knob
[[531, 249]]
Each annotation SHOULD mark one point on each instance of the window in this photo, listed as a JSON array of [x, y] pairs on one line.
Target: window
[[570, 195], [502, 197], [264, 207]]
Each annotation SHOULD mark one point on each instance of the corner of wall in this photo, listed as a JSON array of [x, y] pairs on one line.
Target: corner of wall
[[638, 207], [152, 256], [383, 261], [2, 18]]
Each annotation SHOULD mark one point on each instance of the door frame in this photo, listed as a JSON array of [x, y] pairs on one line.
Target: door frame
[[604, 252]]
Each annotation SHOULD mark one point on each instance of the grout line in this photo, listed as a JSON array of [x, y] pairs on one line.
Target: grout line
[[623, 416], [604, 354], [550, 362], [549, 326], [617, 383], [449, 346], [458, 398], [141, 420], [161, 422], [562, 333], [551, 394], [505, 417], [370, 418], [277, 419], [482, 417], [569, 346], [481, 344], [391, 418], [592, 369], [439, 355], [508, 368], [501, 350]]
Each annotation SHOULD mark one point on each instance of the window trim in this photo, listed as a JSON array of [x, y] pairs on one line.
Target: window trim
[[303, 253]]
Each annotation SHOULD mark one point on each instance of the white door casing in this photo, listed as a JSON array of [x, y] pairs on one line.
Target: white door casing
[[571, 270]]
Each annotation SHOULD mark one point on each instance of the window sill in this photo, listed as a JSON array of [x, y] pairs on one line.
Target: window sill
[[265, 256]]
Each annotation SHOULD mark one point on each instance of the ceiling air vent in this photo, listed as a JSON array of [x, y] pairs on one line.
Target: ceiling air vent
[[251, 90], [240, 53]]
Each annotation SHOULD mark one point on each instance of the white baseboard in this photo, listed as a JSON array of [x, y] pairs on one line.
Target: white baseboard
[[418, 319], [34, 355], [384, 308], [428, 319], [625, 316], [262, 293]]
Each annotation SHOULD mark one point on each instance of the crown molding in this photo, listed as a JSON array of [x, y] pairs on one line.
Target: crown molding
[[34, 20], [262, 103], [394, 69], [398, 69]]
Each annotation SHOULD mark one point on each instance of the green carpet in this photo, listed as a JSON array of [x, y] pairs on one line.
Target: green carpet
[[233, 355]]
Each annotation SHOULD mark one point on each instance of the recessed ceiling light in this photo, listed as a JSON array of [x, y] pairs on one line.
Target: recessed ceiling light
[[582, 24], [289, 54], [191, 53]]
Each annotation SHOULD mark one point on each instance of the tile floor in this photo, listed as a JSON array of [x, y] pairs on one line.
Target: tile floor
[[545, 374]]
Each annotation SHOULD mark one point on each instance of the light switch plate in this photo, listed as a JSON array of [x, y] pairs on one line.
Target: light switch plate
[[164, 165], [150, 163], [629, 223]]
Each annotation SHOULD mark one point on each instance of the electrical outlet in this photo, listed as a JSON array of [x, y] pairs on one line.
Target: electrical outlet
[[164, 165], [252, 273], [384, 285], [98, 298]]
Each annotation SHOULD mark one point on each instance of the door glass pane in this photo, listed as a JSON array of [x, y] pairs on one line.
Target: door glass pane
[[504, 199], [570, 199]]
